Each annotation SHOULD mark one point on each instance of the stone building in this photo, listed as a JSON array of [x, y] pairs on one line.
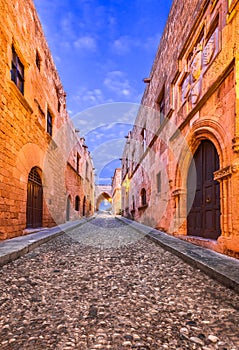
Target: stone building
[[45, 168], [116, 192], [180, 164]]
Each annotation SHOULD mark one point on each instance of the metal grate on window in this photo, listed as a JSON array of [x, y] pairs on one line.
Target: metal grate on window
[[34, 176]]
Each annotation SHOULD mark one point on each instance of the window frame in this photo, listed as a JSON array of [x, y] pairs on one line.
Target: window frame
[[17, 71], [49, 127], [38, 60], [77, 203], [78, 158], [143, 197], [159, 181]]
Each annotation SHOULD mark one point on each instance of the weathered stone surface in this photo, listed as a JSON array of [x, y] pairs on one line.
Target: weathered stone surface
[[70, 301], [24, 140]]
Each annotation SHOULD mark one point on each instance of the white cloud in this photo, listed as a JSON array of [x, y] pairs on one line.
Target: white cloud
[[122, 45], [86, 42], [117, 82]]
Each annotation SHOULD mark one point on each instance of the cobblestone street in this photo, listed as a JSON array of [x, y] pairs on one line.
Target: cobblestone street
[[104, 286]]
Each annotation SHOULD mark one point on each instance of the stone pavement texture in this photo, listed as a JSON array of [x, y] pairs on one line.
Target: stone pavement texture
[[104, 285], [14, 248], [218, 266]]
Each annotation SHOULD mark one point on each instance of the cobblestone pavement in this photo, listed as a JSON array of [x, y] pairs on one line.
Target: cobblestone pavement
[[107, 287]]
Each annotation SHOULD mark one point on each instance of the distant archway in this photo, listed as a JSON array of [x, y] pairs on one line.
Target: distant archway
[[102, 197]]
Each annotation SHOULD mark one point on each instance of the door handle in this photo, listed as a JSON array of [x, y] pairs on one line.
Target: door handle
[[208, 199]]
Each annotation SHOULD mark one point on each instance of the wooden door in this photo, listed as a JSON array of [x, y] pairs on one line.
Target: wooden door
[[84, 207], [68, 208], [204, 215], [34, 199]]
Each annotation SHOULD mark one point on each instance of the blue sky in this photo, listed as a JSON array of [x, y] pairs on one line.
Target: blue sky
[[103, 50]]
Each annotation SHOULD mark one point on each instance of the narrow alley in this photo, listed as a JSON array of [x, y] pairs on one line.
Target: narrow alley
[[105, 286]]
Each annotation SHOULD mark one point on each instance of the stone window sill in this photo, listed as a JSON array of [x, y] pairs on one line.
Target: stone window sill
[[17, 93]]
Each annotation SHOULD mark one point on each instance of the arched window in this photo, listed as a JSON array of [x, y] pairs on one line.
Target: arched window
[[143, 197], [68, 208], [77, 203]]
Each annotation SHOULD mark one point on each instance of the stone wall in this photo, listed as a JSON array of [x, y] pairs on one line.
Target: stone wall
[[191, 96], [116, 192], [24, 140]]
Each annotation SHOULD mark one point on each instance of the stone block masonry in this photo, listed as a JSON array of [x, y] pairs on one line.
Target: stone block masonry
[[181, 159], [32, 114]]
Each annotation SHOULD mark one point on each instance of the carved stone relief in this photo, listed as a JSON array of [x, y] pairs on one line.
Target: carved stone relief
[[202, 55], [196, 63], [186, 87], [209, 50]]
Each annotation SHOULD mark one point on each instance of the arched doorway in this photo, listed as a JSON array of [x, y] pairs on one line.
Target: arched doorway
[[84, 207], [204, 215], [34, 199], [68, 208]]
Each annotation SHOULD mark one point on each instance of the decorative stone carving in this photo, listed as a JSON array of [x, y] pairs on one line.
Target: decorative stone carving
[[222, 173], [209, 50], [201, 57], [196, 63], [186, 87], [196, 91], [235, 167]]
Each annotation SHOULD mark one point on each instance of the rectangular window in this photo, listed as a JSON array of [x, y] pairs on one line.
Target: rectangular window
[[86, 169], [162, 109], [143, 138], [78, 163], [38, 61], [159, 182], [17, 71], [49, 123]]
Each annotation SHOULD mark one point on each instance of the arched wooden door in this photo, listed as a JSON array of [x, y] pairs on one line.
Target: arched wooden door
[[204, 215], [34, 199]]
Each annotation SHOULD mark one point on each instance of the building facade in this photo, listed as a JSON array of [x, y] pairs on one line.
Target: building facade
[[180, 167], [116, 191], [34, 191]]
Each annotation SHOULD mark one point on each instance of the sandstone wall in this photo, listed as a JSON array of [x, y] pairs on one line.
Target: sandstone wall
[[24, 139], [194, 86]]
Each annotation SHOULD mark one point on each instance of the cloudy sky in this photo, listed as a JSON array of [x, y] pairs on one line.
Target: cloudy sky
[[103, 49]]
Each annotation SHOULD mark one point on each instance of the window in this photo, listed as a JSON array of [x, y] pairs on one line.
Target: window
[[143, 197], [78, 163], [77, 203], [159, 182], [143, 137], [17, 71], [132, 161], [133, 203], [38, 61], [86, 169], [161, 109], [49, 123]]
